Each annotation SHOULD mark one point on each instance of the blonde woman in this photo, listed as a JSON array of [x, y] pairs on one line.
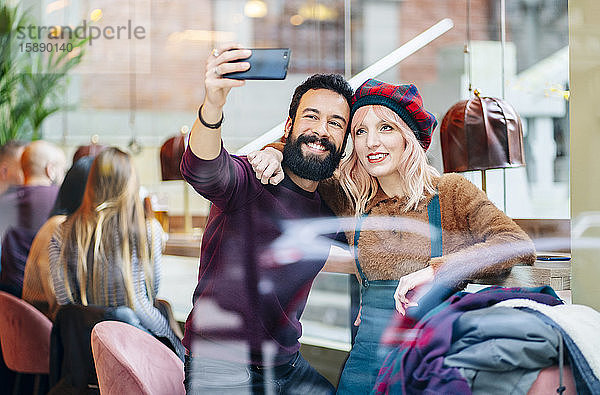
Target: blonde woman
[[38, 288], [413, 226], [106, 253]]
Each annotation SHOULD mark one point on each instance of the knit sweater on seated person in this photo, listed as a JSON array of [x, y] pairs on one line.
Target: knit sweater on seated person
[[113, 291]]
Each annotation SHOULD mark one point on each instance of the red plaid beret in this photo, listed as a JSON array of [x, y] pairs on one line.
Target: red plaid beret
[[404, 100]]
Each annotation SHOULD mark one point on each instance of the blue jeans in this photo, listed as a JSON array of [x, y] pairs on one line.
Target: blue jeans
[[209, 376]]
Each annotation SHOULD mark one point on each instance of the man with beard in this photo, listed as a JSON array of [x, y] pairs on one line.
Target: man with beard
[[242, 334]]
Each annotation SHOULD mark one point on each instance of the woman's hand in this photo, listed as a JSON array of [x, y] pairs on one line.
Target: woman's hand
[[357, 320], [408, 283], [267, 165]]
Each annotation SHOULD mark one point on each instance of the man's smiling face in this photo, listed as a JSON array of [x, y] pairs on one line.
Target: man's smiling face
[[315, 137]]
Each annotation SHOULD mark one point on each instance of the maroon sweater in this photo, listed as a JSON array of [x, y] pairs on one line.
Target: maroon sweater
[[245, 302], [23, 211]]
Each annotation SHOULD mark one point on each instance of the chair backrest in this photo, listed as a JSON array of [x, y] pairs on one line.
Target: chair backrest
[[24, 336], [130, 361], [71, 363]]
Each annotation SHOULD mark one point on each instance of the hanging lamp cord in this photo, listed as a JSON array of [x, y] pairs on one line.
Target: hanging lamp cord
[[467, 50], [503, 65]]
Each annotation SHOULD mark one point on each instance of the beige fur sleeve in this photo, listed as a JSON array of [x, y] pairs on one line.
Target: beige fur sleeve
[[332, 193], [498, 243]]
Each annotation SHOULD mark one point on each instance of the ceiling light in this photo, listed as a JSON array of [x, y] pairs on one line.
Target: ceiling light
[[255, 9], [296, 20], [96, 15], [317, 12], [56, 5]]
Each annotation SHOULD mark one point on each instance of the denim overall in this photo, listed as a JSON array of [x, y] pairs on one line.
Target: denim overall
[[377, 309]]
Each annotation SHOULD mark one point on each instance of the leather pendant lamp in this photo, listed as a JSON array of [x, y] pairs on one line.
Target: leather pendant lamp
[[171, 153], [481, 133], [92, 149]]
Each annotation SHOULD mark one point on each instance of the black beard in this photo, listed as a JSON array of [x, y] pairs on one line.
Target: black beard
[[310, 167]]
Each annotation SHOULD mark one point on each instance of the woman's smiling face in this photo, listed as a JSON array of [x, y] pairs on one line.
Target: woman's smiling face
[[379, 143]]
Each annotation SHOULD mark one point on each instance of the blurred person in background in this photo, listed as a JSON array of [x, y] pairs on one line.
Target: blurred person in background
[[25, 208], [38, 289], [11, 173], [10, 164], [107, 253]]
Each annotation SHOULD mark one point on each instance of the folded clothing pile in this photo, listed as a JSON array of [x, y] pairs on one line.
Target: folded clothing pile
[[494, 341]]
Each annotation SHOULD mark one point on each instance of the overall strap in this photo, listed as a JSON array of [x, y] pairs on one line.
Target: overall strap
[[435, 230], [364, 281], [435, 225]]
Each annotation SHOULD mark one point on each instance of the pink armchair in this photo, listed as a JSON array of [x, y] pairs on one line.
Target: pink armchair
[[130, 361], [25, 338]]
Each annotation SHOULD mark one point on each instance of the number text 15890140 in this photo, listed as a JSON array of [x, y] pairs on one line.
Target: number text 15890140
[[46, 47]]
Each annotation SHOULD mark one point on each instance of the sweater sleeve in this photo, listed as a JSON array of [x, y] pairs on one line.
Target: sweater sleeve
[[56, 268], [37, 283], [155, 240], [227, 181], [498, 242], [143, 304]]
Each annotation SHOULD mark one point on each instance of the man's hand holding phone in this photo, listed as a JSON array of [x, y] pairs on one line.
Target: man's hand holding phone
[[205, 136], [228, 67], [223, 60]]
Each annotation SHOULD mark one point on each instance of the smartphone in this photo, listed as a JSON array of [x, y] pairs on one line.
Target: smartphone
[[265, 64], [553, 258]]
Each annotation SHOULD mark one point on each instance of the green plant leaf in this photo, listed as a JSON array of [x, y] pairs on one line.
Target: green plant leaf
[[30, 82]]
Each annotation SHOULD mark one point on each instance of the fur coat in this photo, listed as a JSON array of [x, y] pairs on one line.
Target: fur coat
[[478, 240]]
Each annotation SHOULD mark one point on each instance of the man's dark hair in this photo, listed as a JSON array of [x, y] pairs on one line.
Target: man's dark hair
[[332, 82], [10, 148]]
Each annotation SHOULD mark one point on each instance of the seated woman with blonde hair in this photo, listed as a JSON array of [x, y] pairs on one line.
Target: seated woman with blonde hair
[[106, 253], [38, 289]]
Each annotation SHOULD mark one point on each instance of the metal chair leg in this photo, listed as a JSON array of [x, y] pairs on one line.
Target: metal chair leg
[[17, 383], [36, 384]]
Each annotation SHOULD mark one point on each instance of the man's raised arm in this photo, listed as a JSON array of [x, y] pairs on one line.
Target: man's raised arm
[[205, 137]]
